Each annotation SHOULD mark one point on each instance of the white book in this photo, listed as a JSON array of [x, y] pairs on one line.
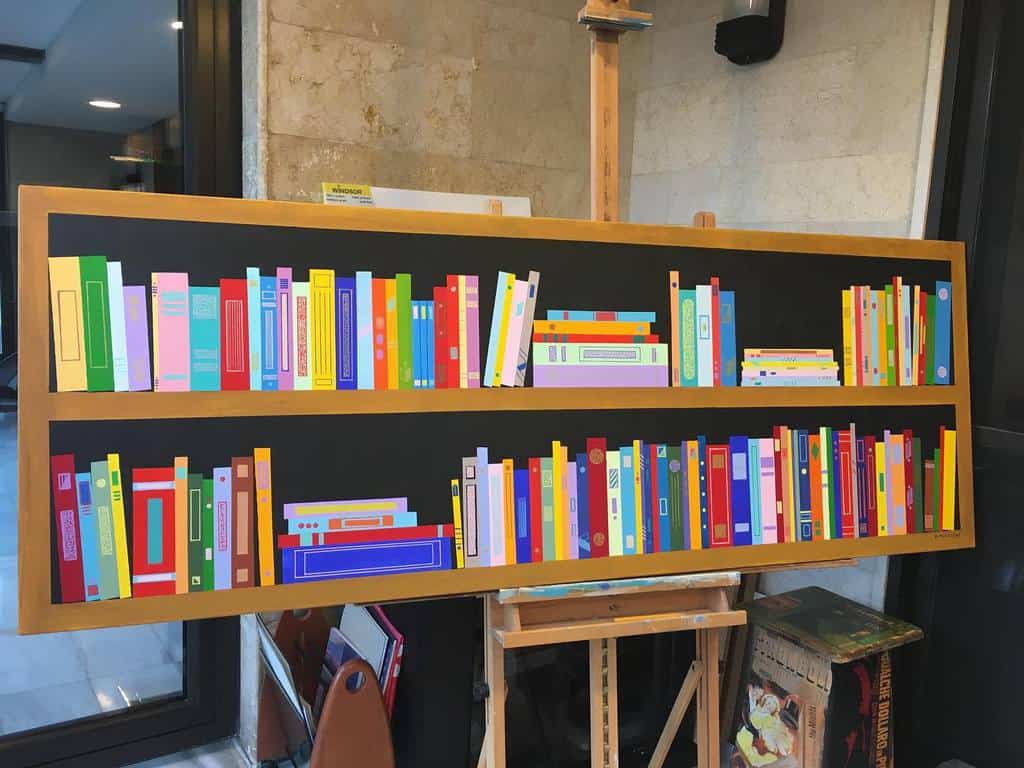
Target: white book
[[705, 353], [515, 330], [614, 474], [118, 330], [496, 511], [365, 635], [526, 337], [300, 326]]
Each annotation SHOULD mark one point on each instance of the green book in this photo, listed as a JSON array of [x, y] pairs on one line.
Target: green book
[[688, 338], [104, 529], [929, 342], [99, 364], [675, 508], [547, 507], [208, 543], [936, 490], [403, 298], [833, 518], [918, 487], [195, 533], [890, 340]]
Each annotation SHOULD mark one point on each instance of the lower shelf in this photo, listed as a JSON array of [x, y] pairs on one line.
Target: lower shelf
[[378, 589]]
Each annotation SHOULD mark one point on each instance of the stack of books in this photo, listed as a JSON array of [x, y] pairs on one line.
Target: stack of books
[[508, 346], [639, 498], [588, 348], [189, 532], [789, 368], [896, 336], [261, 332], [703, 334]]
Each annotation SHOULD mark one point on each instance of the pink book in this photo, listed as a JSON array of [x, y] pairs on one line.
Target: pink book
[[572, 479], [286, 336], [515, 331], [170, 332], [473, 330], [766, 452]]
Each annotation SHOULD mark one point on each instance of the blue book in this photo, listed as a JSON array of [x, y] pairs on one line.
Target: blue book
[[647, 514], [417, 342], [837, 494], [345, 561], [684, 496], [754, 475], [521, 488], [429, 331], [204, 338], [90, 536], [252, 289], [483, 515], [664, 522], [364, 330], [688, 337], [592, 314], [727, 339], [268, 322], [424, 346], [705, 532], [492, 341], [345, 336], [582, 504], [943, 314], [627, 493], [739, 491], [804, 478]]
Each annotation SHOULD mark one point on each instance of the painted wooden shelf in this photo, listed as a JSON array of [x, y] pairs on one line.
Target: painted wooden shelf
[[107, 406]]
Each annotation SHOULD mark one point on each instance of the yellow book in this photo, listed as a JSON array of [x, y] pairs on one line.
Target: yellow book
[[567, 533], [849, 378], [673, 307], [322, 329], [787, 484], [693, 491], [264, 516], [68, 323], [460, 555], [463, 338], [638, 497], [948, 480], [124, 577], [508, 497], [605, 327], [181, 524], [391, 331], [506, 313], [561, 545], [883, 368], [881, 475]]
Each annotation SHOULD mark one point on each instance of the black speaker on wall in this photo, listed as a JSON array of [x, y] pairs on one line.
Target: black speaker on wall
[[752, 31]]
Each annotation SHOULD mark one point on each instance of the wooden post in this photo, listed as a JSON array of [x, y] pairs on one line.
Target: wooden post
[[604, 125], [494, 665]]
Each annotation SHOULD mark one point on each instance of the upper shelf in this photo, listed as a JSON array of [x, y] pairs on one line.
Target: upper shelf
[[112, 406]]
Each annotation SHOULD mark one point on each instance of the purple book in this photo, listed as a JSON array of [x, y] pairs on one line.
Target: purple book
[[344, 561], [473, 331], [286, 336], [572, 478], [140, 377], [599, 376]]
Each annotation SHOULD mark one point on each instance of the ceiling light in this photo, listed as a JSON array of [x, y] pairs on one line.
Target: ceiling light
[[177, 24], [104, 104]]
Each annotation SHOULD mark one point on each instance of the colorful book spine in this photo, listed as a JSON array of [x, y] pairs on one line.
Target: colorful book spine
[[470, 514], [719, 494], [181, 524], [461, 325], [204, 338], [929, 348], [871, 485], [602, 327], [536, 511], [195, 532], [428, 330], [597, 495], [583, 505], [460, 550], [285, 330], [836, 487], [403, 309], [68, 323], [508, 505], [890, 339], [692, 492], [137, 338], [705, 355], [514, 332], [688, 338], [613, 470], [222, 527], [391, 336], [302, 378], [676, 535], [66, 523], [364, 330], [472, 330], [943, 324], [418, 380], [453, 351], [664, 513], [243, 539], [234, 335], [496, 510], [872, 331], [804, 478], [208, 533], [814, 486], [269, 333], [118, 331], [252, 287], [170, 332], [861, 475], [908, 481], [154, 555], [380, 333], [739, 490], [882, 487], [572, 494], [440, 337], [918, 487], [340, 561], [322, 331], [483, 499], [638, 498], [526, 331], [849, 378], [896, 493], [521, 493], [264, 515], [754, 485], [117, 511], [88, 527], [716, 332], [906, 334], [727, 343], [628, 497], [601, 315], [947, 439], [651, 496], [560, 522], [345, 332], [930, 493], [702, 475], [878, 340], [766, 468], [99, 364], [673, 304]]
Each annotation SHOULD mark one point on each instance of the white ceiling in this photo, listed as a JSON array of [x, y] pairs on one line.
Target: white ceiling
[[123, 50]]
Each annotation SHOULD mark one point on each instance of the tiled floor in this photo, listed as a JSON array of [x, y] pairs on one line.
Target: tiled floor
[[47, 679]]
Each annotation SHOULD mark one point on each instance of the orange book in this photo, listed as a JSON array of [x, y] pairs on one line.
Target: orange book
[[817, 519], [380, 356], [508, 497]]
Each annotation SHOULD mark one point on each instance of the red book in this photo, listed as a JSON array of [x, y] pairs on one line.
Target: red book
[[923, 320], [69, 537], [847, 477], [872, 485], [234, 334], [896, 317], [716, 334], [592, 338], [380, 334], [243, 541], [652, 464], [597, 498], [452, 321], [440, 337], [908, 478], [367, 535], [536, 523], [153, 505], [780, 515], [719, 503]]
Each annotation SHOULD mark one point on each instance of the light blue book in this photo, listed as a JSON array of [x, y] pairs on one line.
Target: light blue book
[[322, 523], [268, 331], [483, 516], [943, 315], [252, 287], [431, 383], [594, 314], [754, 476], [629, 532], [90, 536], [364, 330], [688, 337], [417, 342], [727, 344], [878, 363], [204, 338], [492, 343], [118, 329]]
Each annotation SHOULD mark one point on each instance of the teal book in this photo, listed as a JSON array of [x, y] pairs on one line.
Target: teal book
[[627, 491], [754, 480], [195, 533], [207, 534], [100, 479], [675, 497], [688, 338], [547, 507], [403, 300], [204, 338]]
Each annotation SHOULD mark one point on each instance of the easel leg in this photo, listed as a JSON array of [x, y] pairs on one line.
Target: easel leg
[[675, 717], [604, 705], [702, 701], [708, 737], [494, 666]]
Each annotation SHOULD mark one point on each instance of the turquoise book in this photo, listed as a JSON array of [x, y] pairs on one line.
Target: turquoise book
[[104, 515], [90, 544], [628, 497], [204, 338], [688, 338], [252, 287]]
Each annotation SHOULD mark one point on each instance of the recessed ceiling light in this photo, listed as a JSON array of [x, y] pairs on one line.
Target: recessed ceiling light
[[104, 104], [177, 24]]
